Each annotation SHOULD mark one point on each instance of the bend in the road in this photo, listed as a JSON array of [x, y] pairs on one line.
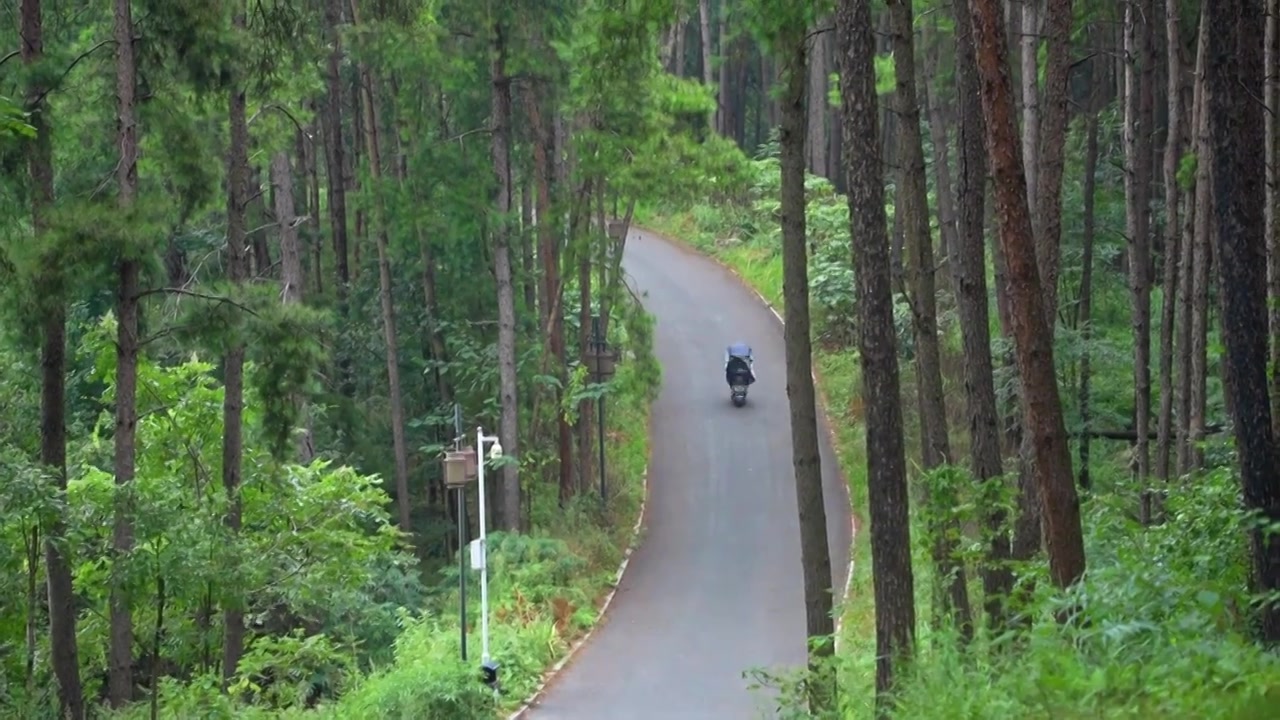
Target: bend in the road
[[716, 587]]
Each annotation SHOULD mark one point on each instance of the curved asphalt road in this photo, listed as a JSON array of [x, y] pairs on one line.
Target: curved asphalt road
[[715, 587]]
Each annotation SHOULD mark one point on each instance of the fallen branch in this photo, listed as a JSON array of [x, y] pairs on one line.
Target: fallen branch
[[1131, 435]]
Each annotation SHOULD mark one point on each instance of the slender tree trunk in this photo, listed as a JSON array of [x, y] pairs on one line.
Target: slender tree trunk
[[1234, 71], [1084, 311], [969, 270], [291, 274], [1033, 346], [806, 461], [816, 133], [680, 64], [120, 656], [704, 24], [1201, 262], [355, 183], [548, 253], [1053, 140], [258, 239], [1137, 129], [666, 46], [1271, 95], [64, 648], [1172, 236], [508, 423], [585, 406], [527, 267], [404, 500], [233, 360], [1029, 45], [335, 163], [913, 205], [886, 454], [313, 208], [938, 134], [1191, 255], [723, 90]]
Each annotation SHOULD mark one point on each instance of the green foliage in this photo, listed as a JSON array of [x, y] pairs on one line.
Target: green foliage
[[1160, 625], [13, 121]]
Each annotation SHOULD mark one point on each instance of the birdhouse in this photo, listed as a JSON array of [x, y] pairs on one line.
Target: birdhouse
[[455, 468], [601, 362], [616, 229]]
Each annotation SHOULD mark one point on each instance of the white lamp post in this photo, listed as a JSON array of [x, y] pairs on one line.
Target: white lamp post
[[489, 667]]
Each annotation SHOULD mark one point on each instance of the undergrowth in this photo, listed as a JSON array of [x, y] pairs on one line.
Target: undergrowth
[[544, 591], [1159, 630]]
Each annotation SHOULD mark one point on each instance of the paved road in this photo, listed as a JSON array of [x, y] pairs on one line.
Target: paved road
[[715, 587]]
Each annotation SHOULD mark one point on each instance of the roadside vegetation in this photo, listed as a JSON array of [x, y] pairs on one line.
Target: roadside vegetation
[[1161, 626], [261, 265]]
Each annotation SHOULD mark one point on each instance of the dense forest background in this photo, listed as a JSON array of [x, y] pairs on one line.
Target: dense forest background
[[261, 263]]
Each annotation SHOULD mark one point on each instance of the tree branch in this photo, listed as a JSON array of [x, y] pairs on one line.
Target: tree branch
[[220, 299], [71, 67]]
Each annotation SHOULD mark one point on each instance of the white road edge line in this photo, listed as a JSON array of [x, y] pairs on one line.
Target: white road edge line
[[550, 675], [853, 532]]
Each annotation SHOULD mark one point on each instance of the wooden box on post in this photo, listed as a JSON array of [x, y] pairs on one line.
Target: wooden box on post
[[601, 363], [460, 467]]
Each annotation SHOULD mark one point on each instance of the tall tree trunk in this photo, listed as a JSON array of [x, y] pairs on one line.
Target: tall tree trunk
[[1271, 96], [816, 133], [585, 406], [666, 46], [552, 289], [723, 90], [1137, 130], [258, 239], [1033, 346], [1084, 311], [508, 423], [527, 267], [1053, 140], [878, 347], [704, 24], [233, 360], [680, 64], [913, 205], [335, 164], [1187, 343], [404, 500], [1234, 71], [291, 274], [1172, 236], [1029, 45], [969, 270], [120, 656], [64, 648], [313, 207], [355, 183], [1201, 261], [938, 135], [806, 462]]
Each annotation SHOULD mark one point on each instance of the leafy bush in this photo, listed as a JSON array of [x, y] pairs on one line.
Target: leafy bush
[[378, 659]]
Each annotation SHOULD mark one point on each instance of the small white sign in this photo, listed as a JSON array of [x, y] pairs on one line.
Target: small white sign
[[477, 554]]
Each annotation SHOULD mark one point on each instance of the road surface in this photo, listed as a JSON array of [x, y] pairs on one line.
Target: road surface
[[715, 587]]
